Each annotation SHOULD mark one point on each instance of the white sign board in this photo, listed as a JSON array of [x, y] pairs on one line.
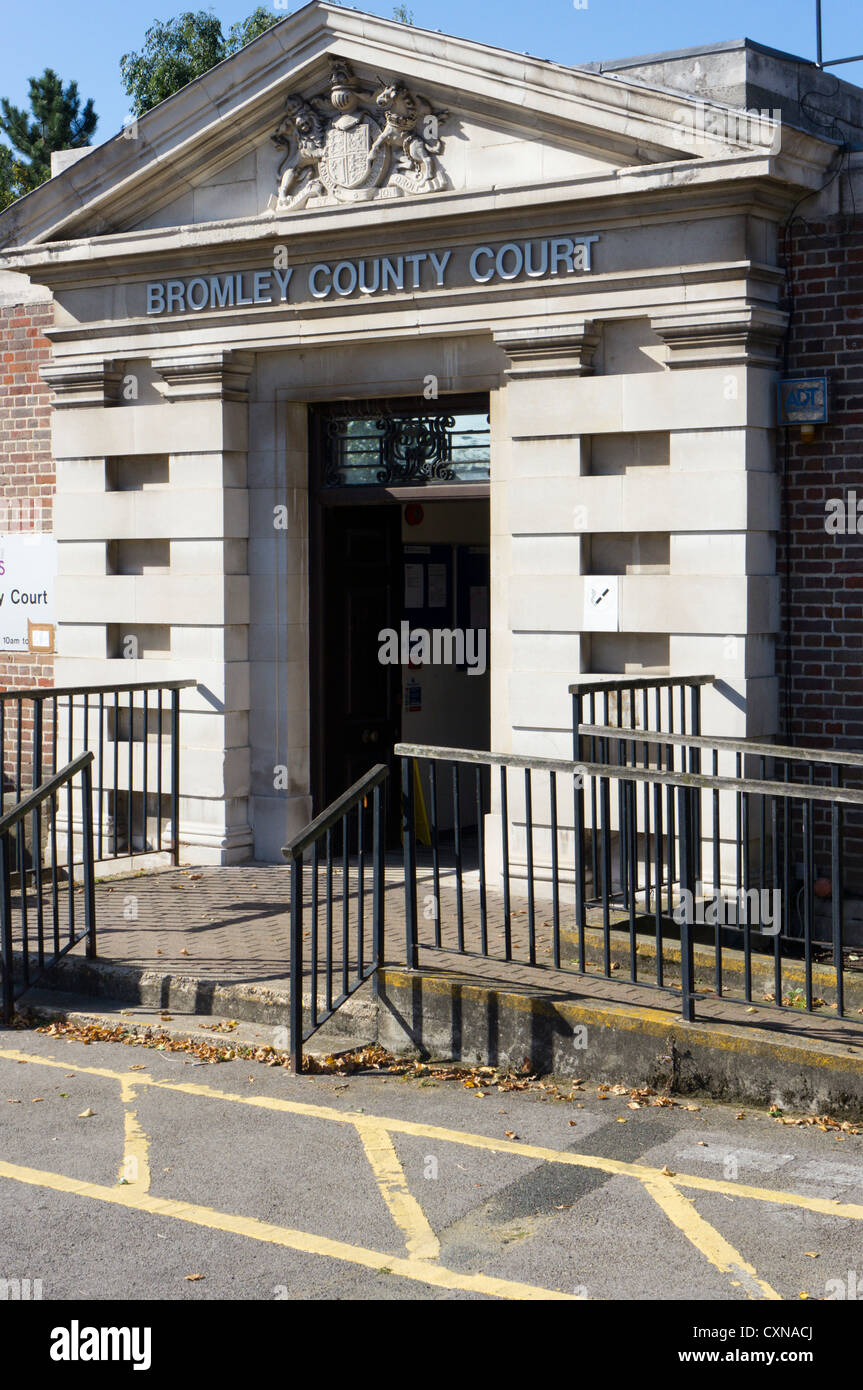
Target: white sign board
[[28, 568], [601, 603]]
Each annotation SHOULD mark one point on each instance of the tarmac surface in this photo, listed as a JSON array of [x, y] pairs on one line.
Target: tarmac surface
[[130, 1173]]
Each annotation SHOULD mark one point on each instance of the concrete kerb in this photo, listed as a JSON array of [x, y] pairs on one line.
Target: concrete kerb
[[442, 1015], [447, 1015]]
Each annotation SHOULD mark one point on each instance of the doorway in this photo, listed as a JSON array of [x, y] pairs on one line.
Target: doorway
[[388, 562]]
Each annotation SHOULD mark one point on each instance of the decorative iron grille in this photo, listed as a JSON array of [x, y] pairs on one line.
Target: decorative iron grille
[[387, 449]]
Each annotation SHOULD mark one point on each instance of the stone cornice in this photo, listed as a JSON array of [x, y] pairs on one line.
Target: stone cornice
[[749, 337], [540, 350], [196, 376], [212, 121], [660, 192], [96, 383]]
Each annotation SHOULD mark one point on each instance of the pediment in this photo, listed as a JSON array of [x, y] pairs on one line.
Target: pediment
[[362, 110]]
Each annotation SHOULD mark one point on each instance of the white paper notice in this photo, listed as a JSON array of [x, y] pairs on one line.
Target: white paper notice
[[414, 586], [437, 586]]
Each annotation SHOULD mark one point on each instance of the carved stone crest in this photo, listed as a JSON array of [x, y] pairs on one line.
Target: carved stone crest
[[348, 144]]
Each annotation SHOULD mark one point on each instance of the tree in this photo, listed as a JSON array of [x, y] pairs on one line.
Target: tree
[[403, 14], [241, 33], [14, 178], [58, 123], [183, 48]]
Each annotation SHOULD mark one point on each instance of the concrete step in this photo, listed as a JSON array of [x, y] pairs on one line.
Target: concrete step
[[160, 991], [214, 1029]]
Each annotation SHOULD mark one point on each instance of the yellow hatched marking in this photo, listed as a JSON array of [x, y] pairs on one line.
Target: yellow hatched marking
[[135, 1168], [852, 1211], [706, 1239], [375, 1134], [420, 1239], [420, 1271]]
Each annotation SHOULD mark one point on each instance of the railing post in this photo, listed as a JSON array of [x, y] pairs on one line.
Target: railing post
[[296, 1022], [175, 776], [686, 819], [87, 850], [378, 895], [410, 864], [7, 1000]]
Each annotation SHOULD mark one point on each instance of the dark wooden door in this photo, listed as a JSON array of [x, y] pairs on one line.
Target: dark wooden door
[[361, 595]]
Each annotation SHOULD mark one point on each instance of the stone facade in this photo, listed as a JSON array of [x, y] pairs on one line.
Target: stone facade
[[557, 240]]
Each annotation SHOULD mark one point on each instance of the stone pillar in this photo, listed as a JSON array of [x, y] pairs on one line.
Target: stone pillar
[[152, 527]]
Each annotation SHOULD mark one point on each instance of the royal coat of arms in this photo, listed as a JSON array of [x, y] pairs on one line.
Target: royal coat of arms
[[379, 143]]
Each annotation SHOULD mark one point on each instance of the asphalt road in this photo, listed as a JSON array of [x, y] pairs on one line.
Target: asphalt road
[[235, 1181]]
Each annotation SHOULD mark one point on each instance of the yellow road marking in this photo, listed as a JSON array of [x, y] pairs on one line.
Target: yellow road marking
[[616, 1167], [420, 1239], [421, 1271], [135, 1168], [706, 1239]]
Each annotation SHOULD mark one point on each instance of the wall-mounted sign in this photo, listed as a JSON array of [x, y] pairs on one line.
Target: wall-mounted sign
[[496, 264], [28, 568], [601, 603], [803, 400]]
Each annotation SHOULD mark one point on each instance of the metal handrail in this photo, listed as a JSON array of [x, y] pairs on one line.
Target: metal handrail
[[733, 745], [12, 821], [605, 771], [34, 799], [54, 692], [586, 685], [333, 814], [350, 804]]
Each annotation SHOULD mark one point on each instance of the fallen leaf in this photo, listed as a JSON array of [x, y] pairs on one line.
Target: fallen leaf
[[193, 1277], [813, 1254], [511, 1134], [667, 1172], [86, 1114]]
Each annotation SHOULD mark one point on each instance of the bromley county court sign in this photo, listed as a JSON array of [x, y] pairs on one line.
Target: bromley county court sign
[[413, 271], [374, 325]]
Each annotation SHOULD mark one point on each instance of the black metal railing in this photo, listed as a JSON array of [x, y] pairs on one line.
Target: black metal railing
[[800, 857], [341, 845], [669, 703], [35, 899], [515, 885], [133, 731]]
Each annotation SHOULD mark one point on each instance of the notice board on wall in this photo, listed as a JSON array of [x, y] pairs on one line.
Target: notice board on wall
[[427, 593], [28, 569]]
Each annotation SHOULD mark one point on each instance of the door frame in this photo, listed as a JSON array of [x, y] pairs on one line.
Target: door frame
[[321, 499]]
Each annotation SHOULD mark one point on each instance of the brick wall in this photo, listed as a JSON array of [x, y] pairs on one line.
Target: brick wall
[[820, 654], [26, 474]]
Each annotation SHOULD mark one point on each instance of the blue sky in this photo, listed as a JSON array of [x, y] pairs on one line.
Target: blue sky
[[86, 41]]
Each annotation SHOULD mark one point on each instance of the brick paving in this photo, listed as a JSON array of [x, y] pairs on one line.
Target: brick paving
[[231, 925]]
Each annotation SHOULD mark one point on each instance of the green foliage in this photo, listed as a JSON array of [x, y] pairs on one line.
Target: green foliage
[[183, 48], [403, 14], [15, 178], [174, 54], [258, 22], [58, 123]]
